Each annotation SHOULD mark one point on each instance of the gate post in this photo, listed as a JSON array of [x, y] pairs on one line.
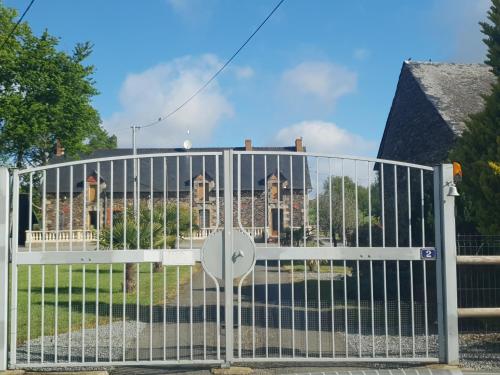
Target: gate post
[[228, 254], [4, 264], [446, 267]]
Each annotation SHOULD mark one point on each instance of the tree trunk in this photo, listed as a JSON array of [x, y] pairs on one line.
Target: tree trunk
[[130, 281], [157, 267]]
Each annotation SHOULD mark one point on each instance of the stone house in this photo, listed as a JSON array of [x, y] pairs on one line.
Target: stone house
[[264, 203]]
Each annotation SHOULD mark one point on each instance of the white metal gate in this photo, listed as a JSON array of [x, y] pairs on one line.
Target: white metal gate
[[229, 256]]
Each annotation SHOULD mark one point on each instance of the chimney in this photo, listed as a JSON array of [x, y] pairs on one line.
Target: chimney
[[59, 149], [298, 145], [248, 145]]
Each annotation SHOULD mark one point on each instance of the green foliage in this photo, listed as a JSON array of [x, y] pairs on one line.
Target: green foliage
[[153, 234], [45, 94], [479, 146]]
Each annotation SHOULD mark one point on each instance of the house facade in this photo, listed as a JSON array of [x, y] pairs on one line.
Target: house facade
[[270, 191]]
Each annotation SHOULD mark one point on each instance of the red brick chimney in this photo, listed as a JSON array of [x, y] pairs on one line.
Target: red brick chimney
[[59, 149], [298, 145], [248, 145]]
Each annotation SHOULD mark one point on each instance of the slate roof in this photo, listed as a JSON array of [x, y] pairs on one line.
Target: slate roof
[[171, 168], [455, 90], [430, 107]]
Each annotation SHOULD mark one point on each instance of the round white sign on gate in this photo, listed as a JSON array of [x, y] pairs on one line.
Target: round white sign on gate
[[242, 254]]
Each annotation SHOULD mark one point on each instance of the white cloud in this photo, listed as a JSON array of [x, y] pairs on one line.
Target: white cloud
[[156, 91], [361, 54], [244, 72], [320, 80], [326, 137], [192, 11]]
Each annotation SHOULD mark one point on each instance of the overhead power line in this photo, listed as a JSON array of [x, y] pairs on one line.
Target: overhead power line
[[17, 23], [214, 76]]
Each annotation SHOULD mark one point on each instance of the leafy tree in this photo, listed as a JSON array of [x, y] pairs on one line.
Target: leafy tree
[[45, 95], [158, 233], [479, 147]]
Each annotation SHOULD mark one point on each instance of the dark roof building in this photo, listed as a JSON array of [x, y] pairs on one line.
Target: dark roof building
[[430, 107], [264, 167]]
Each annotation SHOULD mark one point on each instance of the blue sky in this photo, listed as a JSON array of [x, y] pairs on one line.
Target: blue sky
[[322, 69]]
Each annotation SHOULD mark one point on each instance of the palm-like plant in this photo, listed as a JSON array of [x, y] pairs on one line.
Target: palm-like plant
[[149, 228]]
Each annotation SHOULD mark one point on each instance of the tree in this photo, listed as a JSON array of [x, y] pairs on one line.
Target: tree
[[45, 95], [479, 147], [155, 231]]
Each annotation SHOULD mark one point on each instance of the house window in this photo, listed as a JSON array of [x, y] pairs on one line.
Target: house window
[[274, 191], [202, 192], [204, 218], [92, 193]]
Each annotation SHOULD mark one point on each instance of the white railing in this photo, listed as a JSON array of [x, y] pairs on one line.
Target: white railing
[[35, 236]]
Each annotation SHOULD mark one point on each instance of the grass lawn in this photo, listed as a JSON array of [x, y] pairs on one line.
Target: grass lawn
[[102, 282]]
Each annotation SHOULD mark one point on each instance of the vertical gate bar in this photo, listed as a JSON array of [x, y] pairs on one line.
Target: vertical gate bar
[[151, 203], [279, 203], [291, 202], [178, 239], [191, 309], [191, 202], [252, 179], [266, 207], [424, 270], [30, 225], [112, 205], [317, 202], [399, 308], [84, 211], [253, 312], [306, 326], [409, 208], [293, 310], [372, 307], [164, 312], [382, 203], [70, 307], [369, 206], [217, 190], [332, 301], [138, 205], [42, 328], [422, 206], [83, 311], [279, 307], [177, 336], [412, 309], [56, 294], [396, 204], [98, 211], [124, 206], [359, 306], [204, 197], [165, 195], [29, 316], [343, 210], [30, 211], [266, 297], [330, 213], [4, 261], [385, 309], [304, 203], [44, 210], [319, 308], [446, 264], [228, 262], [356, 200], [137, 311], [204, 315], [345, 303], [124, 304], [150, 311], [110, 336], [97, 313]]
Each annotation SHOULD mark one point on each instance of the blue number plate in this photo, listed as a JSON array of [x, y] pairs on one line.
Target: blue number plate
[[428, 253]]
